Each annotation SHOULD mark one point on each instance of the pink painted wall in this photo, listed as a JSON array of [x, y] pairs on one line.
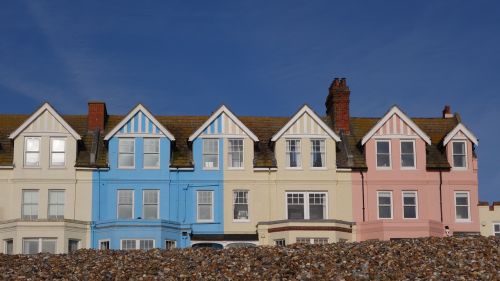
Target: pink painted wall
[[426, 183]]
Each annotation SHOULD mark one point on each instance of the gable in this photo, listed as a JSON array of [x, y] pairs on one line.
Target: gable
[[460, 132], [396, 126]]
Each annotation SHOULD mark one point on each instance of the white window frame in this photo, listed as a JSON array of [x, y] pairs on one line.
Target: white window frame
[[465, 155], [137, 243], [401, 155], [51, 165], [40, 240], [157, 205], [493, 228], [198, 204], [229, 163], [248, 205], [39, 152], [118, 203], [378, 205], [203, 153], [6, 241], [403, 203], [306, 203], [144, 153], [102, 241], [23, 203], [324, 157], [312, 240], [280, 242], [376, 155], [298, 152], [49, 204], [174, 243], [468, 219], [133, 154]]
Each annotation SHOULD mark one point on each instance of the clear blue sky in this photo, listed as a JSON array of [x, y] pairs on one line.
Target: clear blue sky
[[259, 58]]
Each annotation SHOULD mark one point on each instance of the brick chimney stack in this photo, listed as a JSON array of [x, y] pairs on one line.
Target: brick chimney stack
[[447, 112], [337, 105], [96, 116]]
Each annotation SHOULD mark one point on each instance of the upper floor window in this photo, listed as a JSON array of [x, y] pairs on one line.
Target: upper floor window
[[459, 154], [409, 204], [125, 204], [240, 207], [293, 158], [383, 154], [56, 204], [57, 152], [32, 152], [30, 204], [318, 153], [306, 205], [408, 154], [210, 153], [151, 153], [384, 199], [462, 207], [235, 153], [205, 205], [151, 199], [126, 153]]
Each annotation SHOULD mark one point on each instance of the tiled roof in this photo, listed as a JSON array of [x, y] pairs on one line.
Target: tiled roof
[[350, 153]]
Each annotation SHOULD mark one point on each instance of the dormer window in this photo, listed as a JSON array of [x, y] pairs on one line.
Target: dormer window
[[293, 158], [32, 152], [459, 154], [383, 154], [407, 154]]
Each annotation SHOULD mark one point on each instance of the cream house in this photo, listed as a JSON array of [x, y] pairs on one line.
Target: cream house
[[489, 218]]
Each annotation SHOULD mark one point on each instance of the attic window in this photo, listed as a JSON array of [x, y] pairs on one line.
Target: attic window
[[459, 154]]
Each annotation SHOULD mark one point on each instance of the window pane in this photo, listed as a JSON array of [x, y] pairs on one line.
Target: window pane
[[49, 246], [30, 246], [126, 146], [241, 211], [125, 196], [72, 245], [126, 160], [316, 212], [128, 244], [410, 212], [125, 212], [211, 146], [386, 200], [151, 160], [459, 160], [295, 212], [32, 159], [151, 196], [151, 145], [9, 245], [384, 212], [318, 153], [57, 159], [383, 160], [462, 212], [407, 147], [497, 227], [58, 145], [205, 197], [146, 244], [383, 147], [458, 148], [462, 200], [210, 161], [407, 160], [32, 144], [150, 211], [205, 212], [409, 199]]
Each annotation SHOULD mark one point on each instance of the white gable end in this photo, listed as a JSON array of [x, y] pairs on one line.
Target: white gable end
[[460, 132]]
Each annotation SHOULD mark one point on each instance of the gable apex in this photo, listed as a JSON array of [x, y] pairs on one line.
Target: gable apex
[[131, 114], [45, 107], [460, 128], [396, 111]]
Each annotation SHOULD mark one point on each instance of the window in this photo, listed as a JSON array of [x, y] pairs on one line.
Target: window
[[320, 241], [383, 154], [30, 205], [240, 205], [496, 229], [410, 204], [137, 244], [39, 245], [73, 245], [210, 153], [459, 154], [280, 242], [104, 245], [150, 208], [462, 206], [235, 153], [306, 205], [293, 159], [32, 152], [205, 205], [9, 247], [384, 204], [303, 240], [318, 153], [126, 153], [56, 204], [151, 153], [170, 244], [408, 154], [125, 204], [57, 152]]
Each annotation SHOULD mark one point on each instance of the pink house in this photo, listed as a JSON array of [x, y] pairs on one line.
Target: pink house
[[411, 177]]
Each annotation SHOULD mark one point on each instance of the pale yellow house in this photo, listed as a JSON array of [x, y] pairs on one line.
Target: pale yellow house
[[46, 202], [489, 219]]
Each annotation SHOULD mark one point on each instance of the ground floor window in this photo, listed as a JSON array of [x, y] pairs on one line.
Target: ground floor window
[[104, 245], [73, 245], [39, 245], [170, 244], [305, 240], [280, 242], [9, 246], [137, 244], [496, 229]]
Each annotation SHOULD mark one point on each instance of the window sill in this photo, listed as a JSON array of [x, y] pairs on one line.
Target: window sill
[[459, 169], [411, 219], [384, 219], [294, 168], [319, 168], [207, 221], [57, 168], [151, 168], [463, 221], [32, 167], [241, 221], [236, 168], [408, 168], [126, 168], [383, 168], [210, 169]]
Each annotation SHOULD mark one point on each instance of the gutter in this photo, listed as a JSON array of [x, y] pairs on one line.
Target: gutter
[[363, 193], [441, 194]]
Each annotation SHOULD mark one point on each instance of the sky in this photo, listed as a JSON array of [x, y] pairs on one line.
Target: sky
[[264, 58]]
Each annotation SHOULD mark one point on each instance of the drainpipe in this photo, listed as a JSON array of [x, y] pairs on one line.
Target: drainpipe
[[363, 192], [441, 194]]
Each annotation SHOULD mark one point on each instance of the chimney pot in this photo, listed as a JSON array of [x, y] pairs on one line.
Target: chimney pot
[[96, 116]]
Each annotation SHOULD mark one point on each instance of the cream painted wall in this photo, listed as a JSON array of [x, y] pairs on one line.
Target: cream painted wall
[[487, 218]]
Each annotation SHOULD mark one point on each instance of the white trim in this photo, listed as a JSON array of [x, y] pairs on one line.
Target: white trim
[[197, 205], [414, 167], [118, 203], [390, 155], [403, 203], [148, 114], [468, 207], [307, 215], [314, 116], [400, 114], [406, 137], [223, 109], [344, 170], [103, 240], [181, 169], [460, 128], [264, 169], [157, 204], [465, 155], [34, 116], [378, 205]]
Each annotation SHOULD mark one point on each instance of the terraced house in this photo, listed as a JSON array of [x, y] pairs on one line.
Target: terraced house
[[141, 180]]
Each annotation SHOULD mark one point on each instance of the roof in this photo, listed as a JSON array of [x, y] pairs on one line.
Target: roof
[[350, 152]]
